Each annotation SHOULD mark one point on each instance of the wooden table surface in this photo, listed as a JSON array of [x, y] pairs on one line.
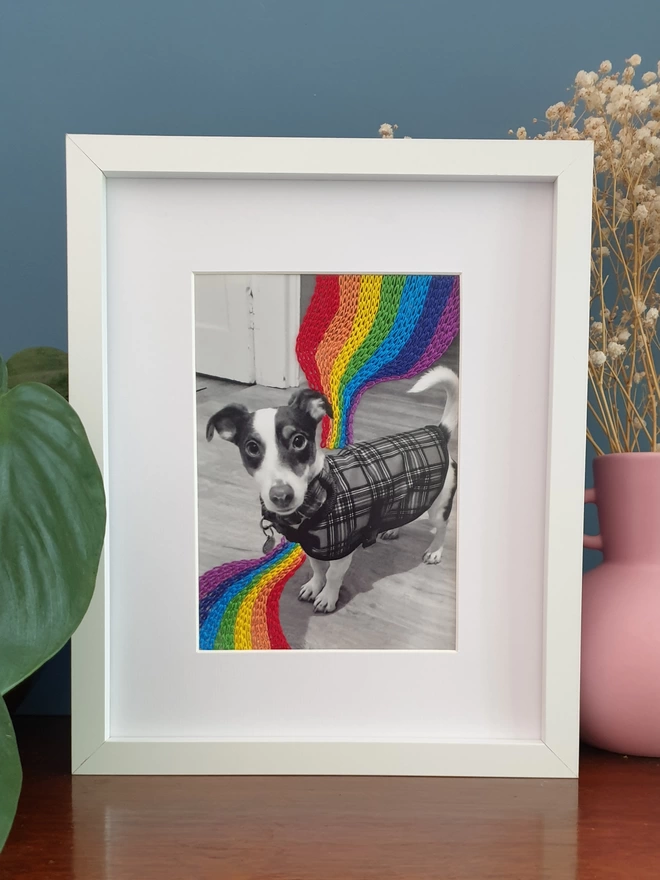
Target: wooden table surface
[[330, 828]]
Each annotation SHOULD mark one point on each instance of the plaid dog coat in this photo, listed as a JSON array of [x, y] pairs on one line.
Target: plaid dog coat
[[365, 489]]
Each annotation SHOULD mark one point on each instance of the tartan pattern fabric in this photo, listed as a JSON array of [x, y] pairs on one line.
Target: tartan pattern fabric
[[370, 487]]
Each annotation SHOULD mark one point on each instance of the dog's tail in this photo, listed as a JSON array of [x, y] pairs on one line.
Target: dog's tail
[[448, 380]]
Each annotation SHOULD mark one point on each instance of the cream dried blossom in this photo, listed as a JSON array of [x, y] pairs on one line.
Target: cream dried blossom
[[640, 102], [622, 120], [615, 349], [595, 127], [387, 130], [521, 133], [555, 111], [585, 80]]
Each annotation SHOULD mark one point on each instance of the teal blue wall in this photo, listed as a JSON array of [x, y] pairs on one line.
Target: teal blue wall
[[260, 67]]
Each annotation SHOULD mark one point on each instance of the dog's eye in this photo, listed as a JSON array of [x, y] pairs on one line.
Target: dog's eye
[[298, 441], [252, 448]]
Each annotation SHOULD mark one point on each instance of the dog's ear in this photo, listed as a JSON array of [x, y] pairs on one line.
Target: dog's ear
[[227, 422], [312, 402]]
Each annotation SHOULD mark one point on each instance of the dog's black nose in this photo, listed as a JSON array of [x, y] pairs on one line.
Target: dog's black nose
[[281, 494]]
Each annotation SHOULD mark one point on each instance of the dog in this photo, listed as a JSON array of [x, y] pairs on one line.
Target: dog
[[332, 504]]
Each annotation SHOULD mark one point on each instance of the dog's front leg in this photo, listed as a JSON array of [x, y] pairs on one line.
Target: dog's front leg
[[326, 601], [313, 587]]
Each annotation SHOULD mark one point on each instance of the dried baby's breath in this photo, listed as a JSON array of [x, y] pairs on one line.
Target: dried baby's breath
[[623, 121]]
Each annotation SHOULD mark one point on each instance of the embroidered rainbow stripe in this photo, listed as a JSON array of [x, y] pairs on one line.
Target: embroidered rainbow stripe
[[358, 330], [239, 601], [361, 330]]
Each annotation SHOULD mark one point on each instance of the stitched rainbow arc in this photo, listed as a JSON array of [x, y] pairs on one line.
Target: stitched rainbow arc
[[358, 330]]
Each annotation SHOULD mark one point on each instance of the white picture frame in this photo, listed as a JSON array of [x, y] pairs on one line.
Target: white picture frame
[[93, 161]]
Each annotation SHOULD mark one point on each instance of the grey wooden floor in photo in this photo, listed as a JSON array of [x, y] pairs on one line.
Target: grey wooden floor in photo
[[390, 600]]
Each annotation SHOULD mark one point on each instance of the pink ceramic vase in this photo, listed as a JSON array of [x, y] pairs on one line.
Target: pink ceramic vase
[[620, 694]]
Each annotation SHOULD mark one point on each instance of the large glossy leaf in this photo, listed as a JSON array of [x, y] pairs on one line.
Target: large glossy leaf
[[52, 522], [10, 773], [42, 364]]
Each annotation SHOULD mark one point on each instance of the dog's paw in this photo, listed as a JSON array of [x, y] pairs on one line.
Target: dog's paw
[[390, 535], [325, 602], [310, 590], [433, 557]]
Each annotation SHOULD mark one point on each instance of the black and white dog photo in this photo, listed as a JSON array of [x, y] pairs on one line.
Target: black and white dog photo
[[333, 501]]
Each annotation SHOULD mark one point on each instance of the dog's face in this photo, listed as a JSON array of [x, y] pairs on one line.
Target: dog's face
[[278, 446]]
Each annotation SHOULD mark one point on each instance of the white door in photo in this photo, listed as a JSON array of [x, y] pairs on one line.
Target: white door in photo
[[224, 327], [246, 328]]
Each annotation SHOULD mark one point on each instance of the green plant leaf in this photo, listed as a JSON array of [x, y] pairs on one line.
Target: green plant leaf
[[42, 364], [52, 523], [10, 773]]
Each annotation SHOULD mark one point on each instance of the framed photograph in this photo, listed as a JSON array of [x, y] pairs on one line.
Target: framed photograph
[[337, 390], [342, 457]]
